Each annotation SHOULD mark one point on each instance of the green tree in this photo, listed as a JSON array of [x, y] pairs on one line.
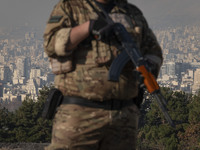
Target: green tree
[[30, 127], [26, 123], [156, 132], [194, 107], [190, 139], [6, 126]]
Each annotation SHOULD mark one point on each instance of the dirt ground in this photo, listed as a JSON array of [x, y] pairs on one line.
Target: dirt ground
[[22, 146]]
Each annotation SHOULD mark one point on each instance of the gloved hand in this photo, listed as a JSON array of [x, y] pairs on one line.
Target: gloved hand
[[100, 29]]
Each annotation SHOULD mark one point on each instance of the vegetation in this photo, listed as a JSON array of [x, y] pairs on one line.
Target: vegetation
[[27, 125], [156, 134]]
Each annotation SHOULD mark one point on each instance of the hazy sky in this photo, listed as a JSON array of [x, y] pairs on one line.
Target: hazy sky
[[19, 12], [36, 12]]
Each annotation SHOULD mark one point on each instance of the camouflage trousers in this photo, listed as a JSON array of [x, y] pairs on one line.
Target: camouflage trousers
[[83, 128]]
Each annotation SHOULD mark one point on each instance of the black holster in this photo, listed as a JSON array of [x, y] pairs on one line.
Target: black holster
[[54, 99]]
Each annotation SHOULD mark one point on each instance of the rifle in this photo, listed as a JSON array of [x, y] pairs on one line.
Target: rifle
[[130, 52]]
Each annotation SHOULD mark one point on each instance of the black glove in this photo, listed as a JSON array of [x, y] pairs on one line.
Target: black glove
[[100, 29]]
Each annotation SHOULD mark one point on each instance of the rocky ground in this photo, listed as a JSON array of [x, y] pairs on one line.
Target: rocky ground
[[22, 146]]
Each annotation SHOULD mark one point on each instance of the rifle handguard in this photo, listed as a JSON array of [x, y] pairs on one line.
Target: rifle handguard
[[149, 79]]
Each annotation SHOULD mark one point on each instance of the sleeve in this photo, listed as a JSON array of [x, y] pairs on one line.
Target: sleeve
[[57, 31], [150, 48]]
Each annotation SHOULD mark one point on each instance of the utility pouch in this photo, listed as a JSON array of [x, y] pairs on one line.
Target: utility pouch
[[53, 101], [61, 65]]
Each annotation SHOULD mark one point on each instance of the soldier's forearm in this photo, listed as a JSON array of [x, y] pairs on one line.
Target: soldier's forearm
[[78, 34]]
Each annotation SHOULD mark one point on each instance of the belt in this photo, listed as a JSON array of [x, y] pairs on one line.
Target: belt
[[112, 104]]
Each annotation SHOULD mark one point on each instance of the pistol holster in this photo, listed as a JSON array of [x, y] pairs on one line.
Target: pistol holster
[[53, 101]]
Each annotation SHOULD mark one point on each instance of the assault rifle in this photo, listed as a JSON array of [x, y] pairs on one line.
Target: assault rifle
[[130, 52]]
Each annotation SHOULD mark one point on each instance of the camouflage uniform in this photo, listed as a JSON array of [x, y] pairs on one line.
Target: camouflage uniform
[[83, 72]]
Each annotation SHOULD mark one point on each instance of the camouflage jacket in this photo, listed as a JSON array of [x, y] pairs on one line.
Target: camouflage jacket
[[83, 72]]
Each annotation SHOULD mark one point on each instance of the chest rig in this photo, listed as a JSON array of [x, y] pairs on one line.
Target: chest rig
[[103, 52], [94, 52]]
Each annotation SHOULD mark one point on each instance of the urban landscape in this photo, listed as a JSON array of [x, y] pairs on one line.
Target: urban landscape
[[25, 69], [26, 78], [181, 67]]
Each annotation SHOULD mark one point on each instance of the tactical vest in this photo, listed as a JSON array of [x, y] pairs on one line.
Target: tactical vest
[[97, 53]]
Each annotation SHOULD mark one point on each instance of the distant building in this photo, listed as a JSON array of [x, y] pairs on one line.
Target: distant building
[[181, 67], [32, 87], [35, 73], [12, 67], [50, 77], [187, 81], [20, 67], [2, 60], [1, 89], [16, 79], [23, 67], [196, 85], [32, 35], [5, 75], [171, 68]]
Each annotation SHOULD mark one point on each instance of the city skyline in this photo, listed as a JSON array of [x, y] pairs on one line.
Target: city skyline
[[180, 44], [24, 67]]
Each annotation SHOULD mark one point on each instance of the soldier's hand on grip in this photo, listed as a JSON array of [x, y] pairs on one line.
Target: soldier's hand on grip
[[100, 28]]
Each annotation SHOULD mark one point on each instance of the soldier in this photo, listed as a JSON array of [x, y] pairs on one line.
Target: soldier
[[96, 114]]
